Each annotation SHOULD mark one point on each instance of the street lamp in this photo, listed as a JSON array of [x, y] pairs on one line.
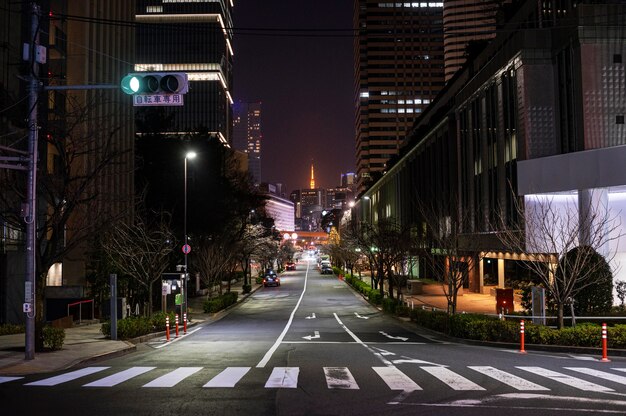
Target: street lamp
[[189, 155]]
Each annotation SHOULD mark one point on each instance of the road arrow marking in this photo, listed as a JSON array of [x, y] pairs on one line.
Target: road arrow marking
[[361, 317], [384, 352], [310, 337], [392, 337], [311, 317]]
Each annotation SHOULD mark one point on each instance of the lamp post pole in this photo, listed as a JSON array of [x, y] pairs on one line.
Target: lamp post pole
[[189, 155]]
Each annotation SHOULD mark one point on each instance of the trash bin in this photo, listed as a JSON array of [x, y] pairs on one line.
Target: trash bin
[[414, 287], [504, 300]]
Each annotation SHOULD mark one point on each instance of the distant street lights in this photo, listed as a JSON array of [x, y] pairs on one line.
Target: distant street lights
[[189, 155]]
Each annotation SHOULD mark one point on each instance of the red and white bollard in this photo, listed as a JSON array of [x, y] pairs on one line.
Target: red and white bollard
[[521, 337], [185, 323], [176, 325], [604, 343], [167, 328]]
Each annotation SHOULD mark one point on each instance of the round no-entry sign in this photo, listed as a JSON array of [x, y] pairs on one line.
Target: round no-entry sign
[[186, 249]]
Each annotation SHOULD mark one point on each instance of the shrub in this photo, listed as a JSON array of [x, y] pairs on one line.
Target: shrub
[[247, 288], [259, 280], [53, 338], [390, 305], [375, 297], [220, 302], [8, 329]]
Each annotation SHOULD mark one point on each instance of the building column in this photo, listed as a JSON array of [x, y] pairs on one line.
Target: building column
[[592, 213], [501, 273], [481, 271]]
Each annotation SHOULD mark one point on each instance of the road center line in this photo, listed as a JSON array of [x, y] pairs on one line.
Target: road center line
[[270, 352], [358, 341]]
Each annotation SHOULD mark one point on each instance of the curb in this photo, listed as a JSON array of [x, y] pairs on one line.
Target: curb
[[508, 345]]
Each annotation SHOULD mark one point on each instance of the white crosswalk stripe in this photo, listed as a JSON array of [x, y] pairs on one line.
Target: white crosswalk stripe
[[228, 378], [63, 378], [340, 378], [600, 374], [396, 379], [173, 377], [7, 379], [452, 379], [117, 378], [514, 381], [283, 377], [577, 383]]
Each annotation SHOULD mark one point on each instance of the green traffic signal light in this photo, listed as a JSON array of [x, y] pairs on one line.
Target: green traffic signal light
[[131, 84], [155, 83]]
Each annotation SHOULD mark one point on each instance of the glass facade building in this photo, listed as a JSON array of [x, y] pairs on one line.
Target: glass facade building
[[193, 37]]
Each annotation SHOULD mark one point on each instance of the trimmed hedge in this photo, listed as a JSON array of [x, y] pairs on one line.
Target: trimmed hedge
[[53, 338], [136, 326], [9, 329], [487, 328], [220, 302]]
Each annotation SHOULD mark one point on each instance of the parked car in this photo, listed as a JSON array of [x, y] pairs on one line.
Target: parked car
[[290, 266], [325, 269], [271, 279]]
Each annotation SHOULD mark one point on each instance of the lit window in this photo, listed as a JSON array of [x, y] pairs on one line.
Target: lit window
[[55, 275], [154, 9], [364, 94]]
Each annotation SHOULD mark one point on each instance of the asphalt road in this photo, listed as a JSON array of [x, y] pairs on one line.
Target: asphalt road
[[314, 347]]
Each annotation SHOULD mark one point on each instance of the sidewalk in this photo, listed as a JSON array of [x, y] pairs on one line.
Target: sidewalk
[[86, 343]]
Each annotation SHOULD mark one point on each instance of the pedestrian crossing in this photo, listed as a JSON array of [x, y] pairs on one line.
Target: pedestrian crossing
[[419, 378]]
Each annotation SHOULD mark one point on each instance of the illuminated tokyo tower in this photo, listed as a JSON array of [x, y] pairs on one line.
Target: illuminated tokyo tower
[[312, 176]]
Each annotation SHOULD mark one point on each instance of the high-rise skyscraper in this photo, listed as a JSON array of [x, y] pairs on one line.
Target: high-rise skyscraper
[[247, 135], [193, 37], [466, 21], [399, 69]]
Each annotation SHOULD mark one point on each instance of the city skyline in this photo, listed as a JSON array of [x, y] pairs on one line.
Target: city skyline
[[304, 79]]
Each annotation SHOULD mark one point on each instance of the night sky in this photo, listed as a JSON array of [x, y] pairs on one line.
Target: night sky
[[304, 83]]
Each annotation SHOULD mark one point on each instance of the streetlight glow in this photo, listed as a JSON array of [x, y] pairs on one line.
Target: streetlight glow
[[190, 155]]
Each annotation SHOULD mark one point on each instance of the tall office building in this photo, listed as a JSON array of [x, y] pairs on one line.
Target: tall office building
[[247, 135], [193, 37], [464, 22], [399, 69], [85, 142]]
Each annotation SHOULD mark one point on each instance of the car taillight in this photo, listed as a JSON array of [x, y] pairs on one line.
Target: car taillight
[[264, 281]]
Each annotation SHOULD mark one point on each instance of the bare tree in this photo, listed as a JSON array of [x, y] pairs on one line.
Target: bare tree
[[85, 156], [141, 251], [214, 258], [560, 241]]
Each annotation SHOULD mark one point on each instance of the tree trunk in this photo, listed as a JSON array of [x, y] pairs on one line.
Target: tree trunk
[[560, 320], [150, 299]]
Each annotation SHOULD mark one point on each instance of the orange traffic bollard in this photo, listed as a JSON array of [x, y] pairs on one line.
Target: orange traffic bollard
[[604, 343], [167, 328], [176, 325], [521, 337], [185, 323]]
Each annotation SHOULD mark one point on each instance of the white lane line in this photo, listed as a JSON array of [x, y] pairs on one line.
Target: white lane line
[[117, 378], [228, 378], [62, 378], [600, 374], [283, 378], [452, 379], [271, 351], [577, 383], [166, 343], [7, 379], [173, 377], [340, 378], [358, 340], [514, 381], [396, 379], [623, 370]]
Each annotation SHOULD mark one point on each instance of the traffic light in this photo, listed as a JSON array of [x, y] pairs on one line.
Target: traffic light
[[155, 83]]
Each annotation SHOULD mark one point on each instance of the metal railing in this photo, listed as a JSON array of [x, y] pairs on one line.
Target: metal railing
[[80, 308]]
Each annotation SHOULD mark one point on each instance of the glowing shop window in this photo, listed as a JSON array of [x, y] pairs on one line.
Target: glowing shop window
[[55, 275]]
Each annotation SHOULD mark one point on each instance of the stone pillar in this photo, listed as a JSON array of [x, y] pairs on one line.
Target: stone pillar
[[501, 273]]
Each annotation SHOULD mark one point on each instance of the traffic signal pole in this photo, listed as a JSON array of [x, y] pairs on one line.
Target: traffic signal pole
[[30, 215]]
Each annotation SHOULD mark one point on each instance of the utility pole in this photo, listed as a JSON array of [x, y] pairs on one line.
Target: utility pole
[[30, 214]]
